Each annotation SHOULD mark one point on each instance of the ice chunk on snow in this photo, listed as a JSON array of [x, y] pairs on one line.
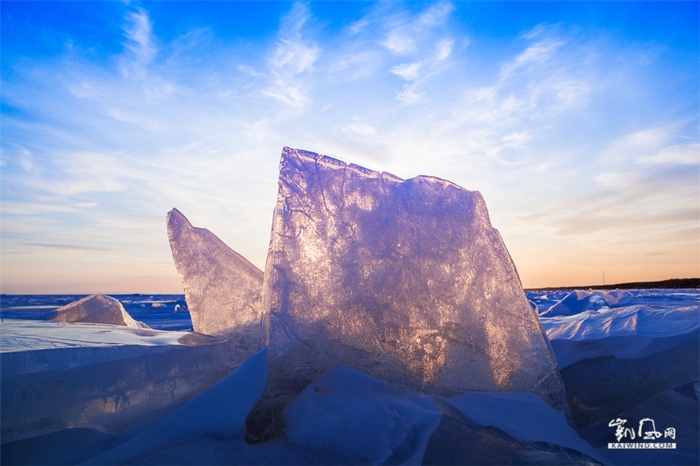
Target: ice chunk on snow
[[355, 419], [99, 375], [220, 411], [97, 309], [581, 300], [222, 288], [406, 281]]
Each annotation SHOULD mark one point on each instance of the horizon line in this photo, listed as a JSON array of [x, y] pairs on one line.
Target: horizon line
[[671, 283]]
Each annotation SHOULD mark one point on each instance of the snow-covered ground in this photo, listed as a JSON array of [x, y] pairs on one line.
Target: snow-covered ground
[[631, 357], [23, 335]]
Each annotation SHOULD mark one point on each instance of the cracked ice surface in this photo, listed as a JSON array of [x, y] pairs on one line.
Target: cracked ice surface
[[403, 280], [222, 288]]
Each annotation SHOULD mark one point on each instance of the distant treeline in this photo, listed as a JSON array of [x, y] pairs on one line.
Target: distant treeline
[[672, 283]]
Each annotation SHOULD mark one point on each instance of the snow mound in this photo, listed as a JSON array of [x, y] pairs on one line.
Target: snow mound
[[356, 419], [581, 300], [96, 309], [524, 416]]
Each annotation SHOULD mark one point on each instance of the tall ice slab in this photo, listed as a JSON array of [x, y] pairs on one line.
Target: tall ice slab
[[403, 280], [222, 288]]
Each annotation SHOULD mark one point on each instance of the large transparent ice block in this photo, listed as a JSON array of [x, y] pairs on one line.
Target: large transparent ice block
[[403, 280], [222, 288]]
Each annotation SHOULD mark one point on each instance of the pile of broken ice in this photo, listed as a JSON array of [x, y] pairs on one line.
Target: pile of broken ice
[[389, 327]]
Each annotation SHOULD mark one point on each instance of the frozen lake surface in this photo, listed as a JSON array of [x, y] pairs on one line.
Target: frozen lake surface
[[109, 394]]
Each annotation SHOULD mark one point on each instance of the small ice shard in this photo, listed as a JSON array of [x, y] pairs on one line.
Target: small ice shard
[[222, 288], [403, 280], [580, 300], [95, 309]]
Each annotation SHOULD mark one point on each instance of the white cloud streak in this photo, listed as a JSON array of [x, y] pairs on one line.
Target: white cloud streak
[[683, 154], [292, 57], [140, 42]]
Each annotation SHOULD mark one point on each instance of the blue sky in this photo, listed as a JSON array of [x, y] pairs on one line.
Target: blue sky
[[577, 121]]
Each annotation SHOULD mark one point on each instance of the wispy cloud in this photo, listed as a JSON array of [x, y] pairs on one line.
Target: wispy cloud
[[537, 54], [292, 57], [26, 160], [408, 71], [69, 247], [416, 43], [138, 33], [83, 172], [684, 154], [360, 127]]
